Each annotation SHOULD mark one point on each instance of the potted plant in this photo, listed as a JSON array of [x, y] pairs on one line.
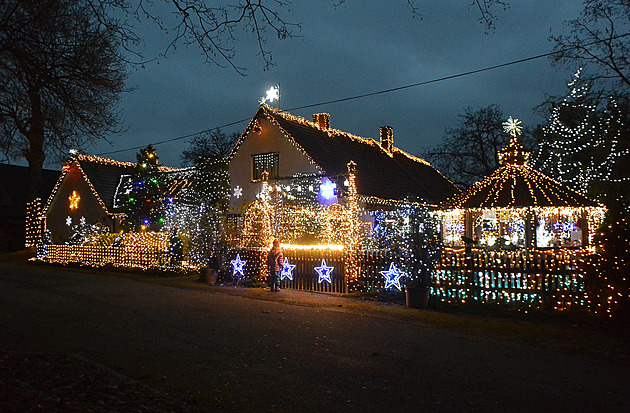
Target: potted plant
[[210, 273], [418, 288]]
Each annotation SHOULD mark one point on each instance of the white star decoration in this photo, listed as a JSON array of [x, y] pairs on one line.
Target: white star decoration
[[324, 272], [287, 270], [238, 264], [238, 191], [392, 276], [69, 221], [272, 94], [513, 127]]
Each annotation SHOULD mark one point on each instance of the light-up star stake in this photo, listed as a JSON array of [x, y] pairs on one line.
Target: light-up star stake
[[513, 127], [238, 265], [238, 191], [287, 271], [324, 272], [392, 276]]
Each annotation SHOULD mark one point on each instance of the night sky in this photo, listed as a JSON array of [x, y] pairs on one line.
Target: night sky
[[356, 48]]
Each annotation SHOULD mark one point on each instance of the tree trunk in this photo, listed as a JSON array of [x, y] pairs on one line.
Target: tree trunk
[[35, 154]]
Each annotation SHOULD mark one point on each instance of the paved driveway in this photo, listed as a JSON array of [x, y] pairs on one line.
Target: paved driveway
[[235, 353]]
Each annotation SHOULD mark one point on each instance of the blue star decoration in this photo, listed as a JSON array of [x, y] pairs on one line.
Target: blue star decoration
[[324, 272], [238, 264], [392, 276], [287, 271]]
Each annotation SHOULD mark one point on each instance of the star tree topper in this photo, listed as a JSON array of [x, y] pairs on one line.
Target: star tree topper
[[287, 270], [513, 127], [238, 264], [324, 272], [392, 276]]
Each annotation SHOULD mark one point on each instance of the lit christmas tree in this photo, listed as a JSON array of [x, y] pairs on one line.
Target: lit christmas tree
[[144, 206], [212, 196], [586, 146], [608, 271]]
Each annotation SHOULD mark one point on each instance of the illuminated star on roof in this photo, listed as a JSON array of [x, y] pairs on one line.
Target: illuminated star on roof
[[272, 94], [287, 270], [238, 265], [392, 276], [324, 272], [513, 127]]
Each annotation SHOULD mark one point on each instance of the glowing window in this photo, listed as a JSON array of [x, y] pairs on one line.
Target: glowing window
[[265, 162]]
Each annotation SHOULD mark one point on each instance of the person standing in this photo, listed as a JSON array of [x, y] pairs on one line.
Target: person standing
[[275, 262]]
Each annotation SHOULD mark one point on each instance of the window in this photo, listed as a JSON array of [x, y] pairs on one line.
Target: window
[[265, 162]]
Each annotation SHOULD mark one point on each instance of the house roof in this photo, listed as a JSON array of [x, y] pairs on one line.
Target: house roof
[[176, 184], [381, 174], [516, 185], [103, 174], [14, 189]]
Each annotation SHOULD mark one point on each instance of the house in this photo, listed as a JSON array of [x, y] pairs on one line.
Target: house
[[288, 147], [14, 194], [86, 190]]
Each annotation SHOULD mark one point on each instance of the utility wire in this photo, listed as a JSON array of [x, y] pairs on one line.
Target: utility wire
[[380, 92]]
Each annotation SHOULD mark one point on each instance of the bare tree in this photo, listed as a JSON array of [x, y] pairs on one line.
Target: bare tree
[[469, 152], [213, 27], [60, 80], [599, 40], [214, 144]]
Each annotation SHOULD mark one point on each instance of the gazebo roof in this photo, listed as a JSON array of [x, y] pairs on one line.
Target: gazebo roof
[[516, 185]]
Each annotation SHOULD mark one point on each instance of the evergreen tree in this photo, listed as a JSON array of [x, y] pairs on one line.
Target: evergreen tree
[[586, 145], [607, 272], [144, 206], [212, 193]]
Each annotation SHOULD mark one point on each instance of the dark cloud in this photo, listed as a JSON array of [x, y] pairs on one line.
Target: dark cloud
[[354, 49]]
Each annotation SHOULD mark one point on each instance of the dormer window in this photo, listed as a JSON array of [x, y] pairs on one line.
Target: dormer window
[[265, 162]]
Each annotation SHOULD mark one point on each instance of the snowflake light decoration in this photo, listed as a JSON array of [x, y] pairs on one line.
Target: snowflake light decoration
[[69, 221], [287, 271], [392, 276], [238, 265], [324, 272], [513, 127], [238, 191]]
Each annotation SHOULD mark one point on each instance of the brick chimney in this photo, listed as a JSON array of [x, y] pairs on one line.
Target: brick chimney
[[322, 119], [387, 138]]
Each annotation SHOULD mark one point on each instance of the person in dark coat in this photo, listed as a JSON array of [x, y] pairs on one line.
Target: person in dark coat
[[275, 262]]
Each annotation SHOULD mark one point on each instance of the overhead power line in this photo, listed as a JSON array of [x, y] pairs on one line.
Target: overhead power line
[[379, 92]]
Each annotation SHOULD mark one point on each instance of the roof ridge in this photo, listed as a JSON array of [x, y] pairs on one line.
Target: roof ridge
[[332, 133], [108, 161]]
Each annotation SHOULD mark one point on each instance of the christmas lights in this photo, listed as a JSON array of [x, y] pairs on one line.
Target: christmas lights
[[324, 272], [287, 270], [237, 266], [392, 277]]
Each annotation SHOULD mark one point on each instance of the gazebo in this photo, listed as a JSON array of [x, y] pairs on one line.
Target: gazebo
[[519, 207]]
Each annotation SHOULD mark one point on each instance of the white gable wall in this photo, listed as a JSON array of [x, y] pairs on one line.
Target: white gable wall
[[270, 139]]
